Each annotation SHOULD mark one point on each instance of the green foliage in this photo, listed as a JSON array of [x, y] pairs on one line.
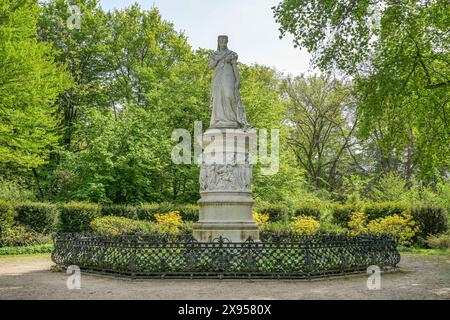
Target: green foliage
[[189, 212], [38, 217], [30, 82], [415, 250], [35, 249], [307, 211], [15, 189], [186, 227], [440, 241], [327, 227], [341, 214], [147, 211], [276, 227], [115, 226], [116, 119], [322, 114], [119, 211], [19, 236], [336, 32], [6, 215], [397, 53], [77, 216], [277, 213], [391, 187], [383, 209], [432, 220]]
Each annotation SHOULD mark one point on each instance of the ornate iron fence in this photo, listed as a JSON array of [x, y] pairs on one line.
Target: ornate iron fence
[[275, 256]]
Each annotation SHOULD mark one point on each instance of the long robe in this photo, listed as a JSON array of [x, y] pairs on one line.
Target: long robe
[[227, 108]]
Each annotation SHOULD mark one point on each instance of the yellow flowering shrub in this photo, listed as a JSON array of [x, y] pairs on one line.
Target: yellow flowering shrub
[[357, 224], [169, 222], [402, 227], [260, 218], [305, 225]]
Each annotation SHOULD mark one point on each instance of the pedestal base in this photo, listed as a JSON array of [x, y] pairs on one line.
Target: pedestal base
[[226, 214]]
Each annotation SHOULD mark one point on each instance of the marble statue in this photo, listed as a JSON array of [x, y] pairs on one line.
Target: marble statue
[[226, 204], [226, 104]]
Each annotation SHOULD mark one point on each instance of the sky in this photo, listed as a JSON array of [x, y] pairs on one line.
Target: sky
[[252, 30]]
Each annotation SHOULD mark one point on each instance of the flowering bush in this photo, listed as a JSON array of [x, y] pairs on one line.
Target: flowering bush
[[259, 218], [169, 222], [402, 227], [305, 225], [357, 224]]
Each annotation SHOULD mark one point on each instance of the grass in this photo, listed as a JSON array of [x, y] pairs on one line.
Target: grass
[[423, 251], [37, 249]]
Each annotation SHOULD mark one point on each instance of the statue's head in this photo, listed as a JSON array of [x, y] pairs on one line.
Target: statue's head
[[222, 43]]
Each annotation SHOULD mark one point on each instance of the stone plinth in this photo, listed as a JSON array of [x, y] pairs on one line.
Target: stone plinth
[[225, 179]]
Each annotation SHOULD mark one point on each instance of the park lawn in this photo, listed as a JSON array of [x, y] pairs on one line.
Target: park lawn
[[26, 250], [24, 255], [409, 250]]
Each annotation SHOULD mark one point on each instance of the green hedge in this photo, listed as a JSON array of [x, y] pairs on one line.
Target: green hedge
[[432, 220], [115, 226], [147, 211], [77, 216], [383, 209], [341, 213], [129, 212], [277, 213], [307, 211], [39, 217], [188, 212], [6, 215]]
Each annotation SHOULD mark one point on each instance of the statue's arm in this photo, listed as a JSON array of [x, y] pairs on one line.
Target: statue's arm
[[213, 61]]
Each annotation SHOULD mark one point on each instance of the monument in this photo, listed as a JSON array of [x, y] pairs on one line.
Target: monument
[[226, 168]]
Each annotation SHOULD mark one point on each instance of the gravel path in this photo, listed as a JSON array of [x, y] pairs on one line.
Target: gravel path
[[29, 277]]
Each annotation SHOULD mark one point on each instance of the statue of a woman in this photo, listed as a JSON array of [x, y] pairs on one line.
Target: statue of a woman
[[227, 108]]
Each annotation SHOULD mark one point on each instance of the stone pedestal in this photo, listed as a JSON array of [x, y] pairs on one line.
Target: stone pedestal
[[225, 179]]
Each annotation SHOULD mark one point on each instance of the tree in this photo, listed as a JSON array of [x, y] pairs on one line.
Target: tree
[[323, 122], [82, 51], [261, 95], [398, 54], [30, 82], [137, 80]]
